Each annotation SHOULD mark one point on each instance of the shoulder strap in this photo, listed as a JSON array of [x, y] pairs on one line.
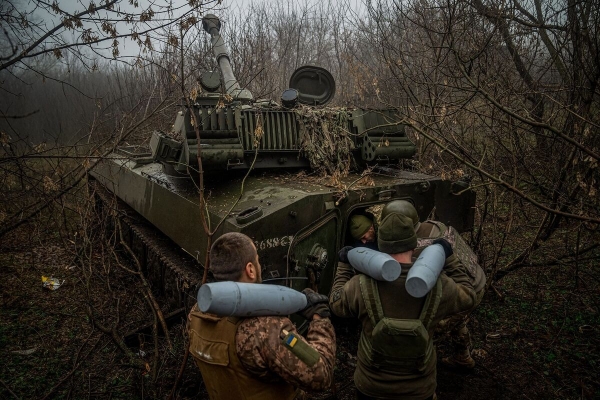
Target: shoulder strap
[[370, 295], [431, 304], [441, 226]]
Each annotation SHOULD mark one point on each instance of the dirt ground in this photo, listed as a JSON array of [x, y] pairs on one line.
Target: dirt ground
[[535, 334]]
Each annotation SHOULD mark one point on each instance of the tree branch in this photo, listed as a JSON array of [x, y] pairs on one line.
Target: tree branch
[[501, 182]]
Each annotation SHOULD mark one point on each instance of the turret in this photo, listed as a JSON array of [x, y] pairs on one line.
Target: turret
[[212, 25], [240, 133]]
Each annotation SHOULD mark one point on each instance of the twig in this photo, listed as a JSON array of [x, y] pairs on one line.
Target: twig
[[180, 373], [34, 209], [500, 295], [577, 257], [517, 262], [7, 388], [155, 306], [503, 183], [112, 332], [4, 116], [75, 367], [154, 320]]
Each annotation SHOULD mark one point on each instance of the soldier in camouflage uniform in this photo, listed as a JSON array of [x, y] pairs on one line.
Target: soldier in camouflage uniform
[[391, 363], [456, 325], [259, 357]]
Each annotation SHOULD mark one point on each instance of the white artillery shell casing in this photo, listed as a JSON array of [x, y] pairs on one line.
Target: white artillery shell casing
[[249, 299], [425, 271], [377, 265]]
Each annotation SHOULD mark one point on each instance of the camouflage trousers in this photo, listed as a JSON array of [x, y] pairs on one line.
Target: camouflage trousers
[[456, 327]]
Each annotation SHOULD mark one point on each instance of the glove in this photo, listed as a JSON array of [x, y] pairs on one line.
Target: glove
[[446, 245], [316, 303], [343, 254]]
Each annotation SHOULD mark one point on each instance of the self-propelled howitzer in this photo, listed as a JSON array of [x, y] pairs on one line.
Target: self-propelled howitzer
[[297, 223]]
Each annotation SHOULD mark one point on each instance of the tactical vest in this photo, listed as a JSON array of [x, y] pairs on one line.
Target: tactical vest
[[397, 345], [212, 344], [442, 230]]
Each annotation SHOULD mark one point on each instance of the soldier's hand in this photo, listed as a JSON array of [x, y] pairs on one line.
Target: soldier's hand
[[446, 245], [343, 254], [316, 303]]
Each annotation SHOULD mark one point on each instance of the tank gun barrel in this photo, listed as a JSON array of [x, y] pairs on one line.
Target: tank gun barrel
[[212, 25]]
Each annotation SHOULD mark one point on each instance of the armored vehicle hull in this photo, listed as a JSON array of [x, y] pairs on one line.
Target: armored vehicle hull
[[297, 223]]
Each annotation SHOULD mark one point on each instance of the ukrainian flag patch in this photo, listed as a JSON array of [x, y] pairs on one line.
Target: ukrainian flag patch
[[291, 340], [300, 349]]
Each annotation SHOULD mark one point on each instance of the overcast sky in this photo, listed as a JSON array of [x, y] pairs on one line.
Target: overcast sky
[[128, 47]]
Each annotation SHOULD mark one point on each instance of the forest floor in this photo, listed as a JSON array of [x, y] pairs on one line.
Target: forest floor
[[536, 334]]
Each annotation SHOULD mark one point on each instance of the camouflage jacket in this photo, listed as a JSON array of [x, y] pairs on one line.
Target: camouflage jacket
[[261, 351]]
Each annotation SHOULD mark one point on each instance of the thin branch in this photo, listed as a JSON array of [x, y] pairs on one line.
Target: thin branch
[[25, 53], [501, 182], [34, 209], [77, 363], [9, 390], [4, 116], [155, 306], [519, 117]]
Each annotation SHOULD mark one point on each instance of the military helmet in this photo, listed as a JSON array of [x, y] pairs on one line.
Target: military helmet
[[402, 207]]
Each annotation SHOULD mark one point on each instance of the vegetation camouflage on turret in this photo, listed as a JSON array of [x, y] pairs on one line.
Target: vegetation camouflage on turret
[[325, 140]]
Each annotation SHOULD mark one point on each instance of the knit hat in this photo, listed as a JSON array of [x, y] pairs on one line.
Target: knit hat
[[396, 234], [359, 225]]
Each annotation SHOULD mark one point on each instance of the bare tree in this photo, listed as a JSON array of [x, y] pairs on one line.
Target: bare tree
[[509, 91], [70, 93]]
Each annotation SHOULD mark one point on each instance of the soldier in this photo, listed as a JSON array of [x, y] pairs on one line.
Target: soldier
[[246, 358], [427, 232], [362, 230], [396, 356]]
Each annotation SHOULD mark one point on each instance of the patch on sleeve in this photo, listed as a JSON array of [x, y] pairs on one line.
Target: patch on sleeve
[[291, 340], [300, 349]]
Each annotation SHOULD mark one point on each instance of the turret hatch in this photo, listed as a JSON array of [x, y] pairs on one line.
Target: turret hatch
[[315, 85]]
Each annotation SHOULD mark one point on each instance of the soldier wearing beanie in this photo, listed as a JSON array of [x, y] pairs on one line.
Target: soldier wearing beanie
[[400, 371], [397, 235], [362, 229], [456, 325]]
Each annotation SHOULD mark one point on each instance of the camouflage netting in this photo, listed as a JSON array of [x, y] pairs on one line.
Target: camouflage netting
[[325, 140]]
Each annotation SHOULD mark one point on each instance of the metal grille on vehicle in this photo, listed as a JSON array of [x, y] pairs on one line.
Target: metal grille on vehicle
[[280, 130]]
